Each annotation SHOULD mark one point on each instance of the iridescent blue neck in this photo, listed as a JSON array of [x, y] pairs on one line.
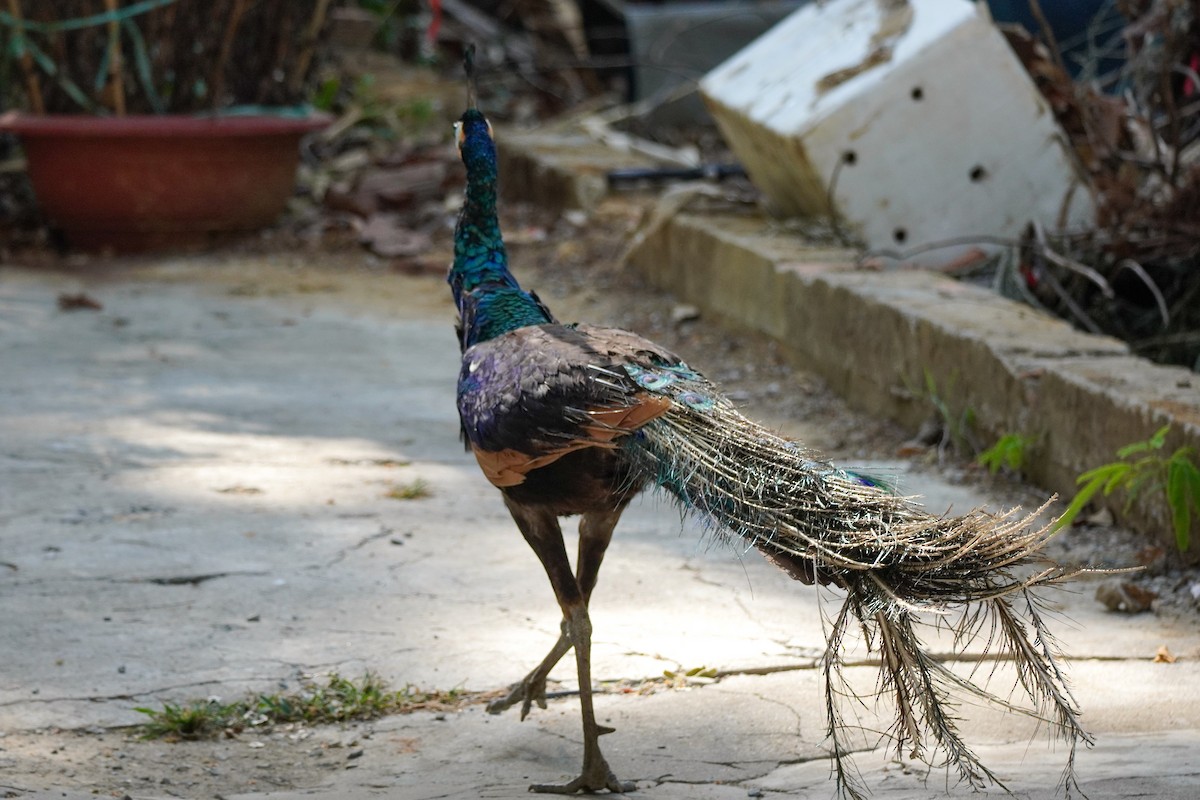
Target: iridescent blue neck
[[492, 311], [489, 299]]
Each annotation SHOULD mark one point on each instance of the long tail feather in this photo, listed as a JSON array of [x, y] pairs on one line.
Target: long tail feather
[[747, 481], [894, 559]]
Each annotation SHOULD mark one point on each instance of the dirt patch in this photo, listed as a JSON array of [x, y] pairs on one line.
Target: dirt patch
[[118, 763]]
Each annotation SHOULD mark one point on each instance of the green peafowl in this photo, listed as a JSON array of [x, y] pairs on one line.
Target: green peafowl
[[572, 419]]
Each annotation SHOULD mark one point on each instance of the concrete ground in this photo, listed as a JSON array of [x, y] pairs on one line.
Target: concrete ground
[[194, 501]]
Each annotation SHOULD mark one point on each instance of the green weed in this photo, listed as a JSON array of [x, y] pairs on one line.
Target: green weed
[[338, 699], [413, 490], [192, 720], [1008, 453], [956, 429], [359, 104], [1140, 468]]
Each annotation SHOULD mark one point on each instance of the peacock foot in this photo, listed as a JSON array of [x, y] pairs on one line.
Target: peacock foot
[[530, 690], [589, 781], [595, 776]]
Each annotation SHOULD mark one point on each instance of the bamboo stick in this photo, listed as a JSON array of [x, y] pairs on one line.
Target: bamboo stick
[[36, 104], [115, 72], [216, 80], [310, 44]]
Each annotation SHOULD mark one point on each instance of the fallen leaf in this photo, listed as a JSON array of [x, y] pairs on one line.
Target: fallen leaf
[[1151, 556], [1163, 656], [969, 259], [351, 160], [1125, 597], [78, 302], [684, 312], [359, 203], [387, 236], [402, 186]]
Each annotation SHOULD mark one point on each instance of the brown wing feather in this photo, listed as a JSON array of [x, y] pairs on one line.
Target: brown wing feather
[[509, 467]]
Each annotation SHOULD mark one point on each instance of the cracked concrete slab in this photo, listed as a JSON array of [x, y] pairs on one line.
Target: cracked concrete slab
[[194, 499]]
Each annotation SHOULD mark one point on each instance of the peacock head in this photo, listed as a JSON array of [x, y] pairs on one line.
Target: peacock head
[[475, 145]]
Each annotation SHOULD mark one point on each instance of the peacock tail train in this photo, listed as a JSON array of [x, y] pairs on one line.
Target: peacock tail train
[[742, 479], [898, 564]]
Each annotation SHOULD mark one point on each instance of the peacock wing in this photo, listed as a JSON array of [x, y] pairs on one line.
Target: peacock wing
[[531, 396]]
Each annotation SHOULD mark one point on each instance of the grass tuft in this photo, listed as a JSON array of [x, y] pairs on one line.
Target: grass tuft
[[336, 700], [413, 490]]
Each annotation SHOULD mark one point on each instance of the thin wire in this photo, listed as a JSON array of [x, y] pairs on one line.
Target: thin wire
[[469, 68]]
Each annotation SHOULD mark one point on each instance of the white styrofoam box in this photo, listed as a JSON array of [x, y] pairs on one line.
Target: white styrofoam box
[[915, 118]]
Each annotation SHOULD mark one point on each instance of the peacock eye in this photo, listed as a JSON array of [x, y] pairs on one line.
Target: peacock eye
[[459, 135]]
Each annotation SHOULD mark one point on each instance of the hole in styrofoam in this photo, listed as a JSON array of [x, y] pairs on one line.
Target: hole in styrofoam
[[900, 235], [850, 158], [918, 94], [978, 173]]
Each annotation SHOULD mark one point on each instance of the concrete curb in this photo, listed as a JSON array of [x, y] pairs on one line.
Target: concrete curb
[[561, 170], [875, 335]]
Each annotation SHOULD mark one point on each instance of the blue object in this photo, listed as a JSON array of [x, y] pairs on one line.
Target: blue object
[[1087, 31]]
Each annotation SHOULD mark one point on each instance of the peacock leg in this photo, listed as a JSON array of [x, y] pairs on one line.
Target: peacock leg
[[596, 773], [540, 528], [595, 532]]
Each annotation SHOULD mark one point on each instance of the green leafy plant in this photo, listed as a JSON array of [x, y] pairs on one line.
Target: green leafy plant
[[185, 721], [1140, 468], [338, 699], [1008, 452], [360, 105], [159, 56]]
